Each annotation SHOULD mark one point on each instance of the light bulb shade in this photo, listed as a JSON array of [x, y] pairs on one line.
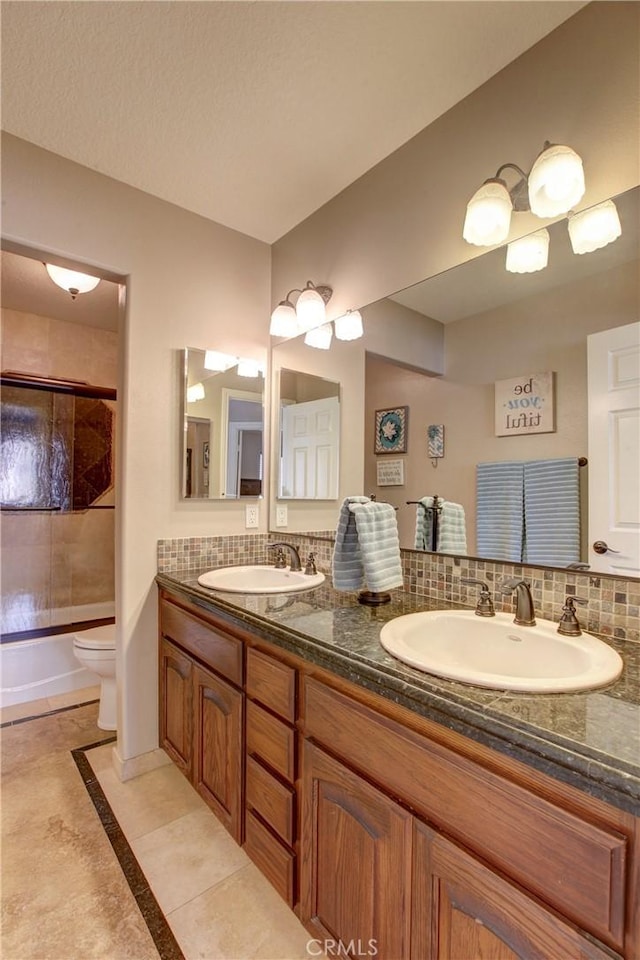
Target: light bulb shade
[[310, 310], [196, 392], [556, 181], [594, 228], [349, 327], [248, 368], [488, 215], [319, 337], [72, 281], [214, 360], [529, 253], [284, 322]]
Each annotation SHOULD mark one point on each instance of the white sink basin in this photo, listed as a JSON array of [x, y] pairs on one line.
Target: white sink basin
[[494, 652], [259, 579]]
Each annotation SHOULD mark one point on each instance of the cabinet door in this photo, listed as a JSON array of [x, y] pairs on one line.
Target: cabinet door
[[176, 705], [356, 860], [217, 762], [462, 909]]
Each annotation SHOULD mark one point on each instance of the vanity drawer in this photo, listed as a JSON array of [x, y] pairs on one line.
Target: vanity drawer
[[271, 740], [274, 860], [271, 799], [272, 684], [216, 650], [576, 866]]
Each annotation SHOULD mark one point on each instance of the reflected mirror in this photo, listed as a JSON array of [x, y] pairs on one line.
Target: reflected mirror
[[309, 409], [497, 327], [222, 455]]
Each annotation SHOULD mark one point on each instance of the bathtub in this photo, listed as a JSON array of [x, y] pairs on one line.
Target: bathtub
[[45, 666]]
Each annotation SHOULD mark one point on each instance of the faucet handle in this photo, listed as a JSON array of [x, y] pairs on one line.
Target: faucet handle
[[311, 569], [569, 625], [484, 607], [281, 560]]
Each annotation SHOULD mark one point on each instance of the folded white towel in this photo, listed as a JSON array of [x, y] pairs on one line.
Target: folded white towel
[[424, 524], [452, 530], [367, 548]]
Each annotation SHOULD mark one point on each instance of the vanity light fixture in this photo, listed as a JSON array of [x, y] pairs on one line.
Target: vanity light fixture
[[349, 326], [528, 254], [594, 228], [248, 368], [71, 280], [214, 360], [288, 320], [196, 392], [319, 337]]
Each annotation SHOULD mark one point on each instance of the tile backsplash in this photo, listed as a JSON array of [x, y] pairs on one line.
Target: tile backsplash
[[613, 604]]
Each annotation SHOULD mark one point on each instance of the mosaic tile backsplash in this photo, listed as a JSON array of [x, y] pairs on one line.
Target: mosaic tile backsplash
[[612, 610]]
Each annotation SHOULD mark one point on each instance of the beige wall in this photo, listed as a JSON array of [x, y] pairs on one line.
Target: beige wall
[[190, 282], [533, 335]]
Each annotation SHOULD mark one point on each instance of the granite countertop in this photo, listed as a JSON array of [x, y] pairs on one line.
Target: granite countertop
[[589, 739]]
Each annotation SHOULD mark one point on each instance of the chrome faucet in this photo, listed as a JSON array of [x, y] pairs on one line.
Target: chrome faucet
[[525, 616], [293, 553]]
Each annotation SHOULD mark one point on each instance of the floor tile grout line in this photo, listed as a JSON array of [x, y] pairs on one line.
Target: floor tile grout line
[[48, 713], [157, 924], [208, 889]]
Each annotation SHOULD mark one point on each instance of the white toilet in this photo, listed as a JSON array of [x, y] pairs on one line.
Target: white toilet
[[95, 648]]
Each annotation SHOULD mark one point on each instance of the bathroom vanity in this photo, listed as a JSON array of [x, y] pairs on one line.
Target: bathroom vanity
[[398, 813]]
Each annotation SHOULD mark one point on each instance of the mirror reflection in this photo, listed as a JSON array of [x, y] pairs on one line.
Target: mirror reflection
[[223, 427], [309, 436], [502, 332]]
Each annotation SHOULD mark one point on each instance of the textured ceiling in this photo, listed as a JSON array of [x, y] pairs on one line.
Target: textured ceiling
[[253, 114]]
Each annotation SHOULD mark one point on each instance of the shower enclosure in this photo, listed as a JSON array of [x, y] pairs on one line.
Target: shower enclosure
[[58, 507]]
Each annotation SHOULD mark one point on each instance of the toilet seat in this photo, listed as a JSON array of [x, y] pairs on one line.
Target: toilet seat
[[97, 638]]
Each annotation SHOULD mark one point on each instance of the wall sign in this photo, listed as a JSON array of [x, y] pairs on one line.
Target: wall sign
[[525, 405], [390, 473]]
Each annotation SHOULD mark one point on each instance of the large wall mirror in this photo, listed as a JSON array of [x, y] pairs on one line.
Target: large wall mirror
[[309, 436], [499, 326], [222, 453]]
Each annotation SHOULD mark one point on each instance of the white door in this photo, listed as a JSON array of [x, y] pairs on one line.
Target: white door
[[310, 439], [614, 450]]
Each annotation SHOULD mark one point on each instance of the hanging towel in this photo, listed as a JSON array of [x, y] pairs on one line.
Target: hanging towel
[[452, 530], [424, 524], [500, 510], [367, 548], [552, 511]]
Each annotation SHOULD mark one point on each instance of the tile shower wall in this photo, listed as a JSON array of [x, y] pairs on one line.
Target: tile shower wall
[[612, 610]]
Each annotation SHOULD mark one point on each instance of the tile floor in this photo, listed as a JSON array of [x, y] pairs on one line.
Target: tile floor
[[64, 893]]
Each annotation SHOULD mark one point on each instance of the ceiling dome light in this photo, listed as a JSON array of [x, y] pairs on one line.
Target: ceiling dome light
[[310, 308], [194, 393], [528, 254], [556, 181], [349, 327], [319, 337], [214, 360], [488, 214], [72, 281], [284, 322], [248, 368], [594, 228]]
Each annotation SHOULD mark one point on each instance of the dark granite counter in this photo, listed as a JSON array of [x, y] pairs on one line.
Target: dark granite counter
[[590, 740]]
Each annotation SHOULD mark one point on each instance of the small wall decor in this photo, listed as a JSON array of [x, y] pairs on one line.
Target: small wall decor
[[205, 455], [435, 441], [391, 430], [390, 473], [525, 405]]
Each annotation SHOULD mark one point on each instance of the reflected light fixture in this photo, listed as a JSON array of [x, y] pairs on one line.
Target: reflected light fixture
[[214, 360], [319, 337], [528, 254], [594, 228], [288, 320], [249, 368], [349, 326], [194, 393], [71, 280]]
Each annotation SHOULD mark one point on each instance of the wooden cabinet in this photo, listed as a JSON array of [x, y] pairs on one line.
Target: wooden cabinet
[[176, 705]]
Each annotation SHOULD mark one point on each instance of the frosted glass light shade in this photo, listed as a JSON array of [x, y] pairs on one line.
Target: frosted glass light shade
[[529, 253], [196, 392], [284, 322], [319, 337], [556, 181], [594, 228], [349, 327], [248, 368], [488, 215], [72, 281], [310, 310], [214, 360]]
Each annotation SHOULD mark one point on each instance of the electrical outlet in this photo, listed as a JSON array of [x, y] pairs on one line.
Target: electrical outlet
[[251, 516], [281, 515]]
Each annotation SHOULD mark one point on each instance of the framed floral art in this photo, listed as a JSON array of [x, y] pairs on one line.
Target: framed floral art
[[391, 430]]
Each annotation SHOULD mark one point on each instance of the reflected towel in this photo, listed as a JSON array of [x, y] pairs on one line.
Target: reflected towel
[[367, 548], [500, 510], [424, 524], [452, 530], [552, 511]]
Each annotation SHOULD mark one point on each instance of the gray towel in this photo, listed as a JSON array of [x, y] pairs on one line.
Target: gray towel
[[500, 510], [424, 524], [552, 511], [367, 549]]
